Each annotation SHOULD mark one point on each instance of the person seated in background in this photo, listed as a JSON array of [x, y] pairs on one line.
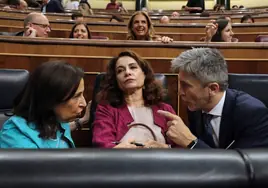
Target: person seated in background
[[247, 19], [52, 6], [219, 31], [205, 14], [140, 27], [226, 18], [112, 5], [219, 8], [235, 7], [183, 7], [121, 8], [72, 5], [85, 8], [175, 14], [130, 95], [17, 4], [195, 6], [80, 31], [77, 16], [35, 25], [52, 98], [144, 9], [164, 20], [219, 117], [241, 7], [116, 18]]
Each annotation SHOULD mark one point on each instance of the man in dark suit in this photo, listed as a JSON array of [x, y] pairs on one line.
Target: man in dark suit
[[195, 6], [52, 6], [218, 117]]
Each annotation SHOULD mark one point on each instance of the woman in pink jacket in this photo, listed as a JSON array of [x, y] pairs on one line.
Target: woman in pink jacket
[[131, 95]]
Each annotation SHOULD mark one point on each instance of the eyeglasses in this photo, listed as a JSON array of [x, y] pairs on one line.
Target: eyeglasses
[[45, 26]]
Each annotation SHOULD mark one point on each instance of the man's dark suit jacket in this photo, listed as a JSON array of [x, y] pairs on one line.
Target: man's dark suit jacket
[[244, 119], [12, 33], [196, 3], [53, 6]]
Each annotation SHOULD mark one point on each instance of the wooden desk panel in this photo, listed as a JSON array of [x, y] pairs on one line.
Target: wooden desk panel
[[184, 18], [172, 28], [23, 45], [112, 35]]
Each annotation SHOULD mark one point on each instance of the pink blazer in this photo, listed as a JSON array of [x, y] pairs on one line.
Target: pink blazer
[[111, 124]]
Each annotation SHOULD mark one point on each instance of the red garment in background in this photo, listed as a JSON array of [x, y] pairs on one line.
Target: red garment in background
[[112, 6]]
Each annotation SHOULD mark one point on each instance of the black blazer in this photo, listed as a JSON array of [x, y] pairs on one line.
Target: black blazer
[[12, 33], [53, 6], [244, 119]]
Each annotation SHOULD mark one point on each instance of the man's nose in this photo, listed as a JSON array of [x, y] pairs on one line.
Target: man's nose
[[48, 29], [181, 91]]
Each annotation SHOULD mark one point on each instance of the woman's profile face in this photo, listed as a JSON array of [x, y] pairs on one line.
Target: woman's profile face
[[227, 33], [68, 111], [80, 32], [140, 26]]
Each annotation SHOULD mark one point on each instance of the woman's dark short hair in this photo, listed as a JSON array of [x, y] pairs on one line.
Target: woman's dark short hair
[[49, 85], [80, 23], [247, 17], [153, 92], [216, 7], [85, 2], [76, 15], [222, 23], [234, 6], [205, 14]]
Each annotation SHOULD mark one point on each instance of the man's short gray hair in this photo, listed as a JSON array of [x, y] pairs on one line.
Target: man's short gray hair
[[205, 64], [31, 17]]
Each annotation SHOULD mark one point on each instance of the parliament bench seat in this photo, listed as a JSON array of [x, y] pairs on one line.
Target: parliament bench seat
[[25, 45], [113, 168]]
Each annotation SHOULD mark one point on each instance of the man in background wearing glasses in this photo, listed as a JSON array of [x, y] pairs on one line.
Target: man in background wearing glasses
[[35, 25]]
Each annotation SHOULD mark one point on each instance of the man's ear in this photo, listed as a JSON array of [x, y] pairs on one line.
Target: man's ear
[[30, 24], [214, 88]]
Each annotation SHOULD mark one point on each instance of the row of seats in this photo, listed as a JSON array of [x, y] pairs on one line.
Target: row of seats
[[12, 82], [133, 168]]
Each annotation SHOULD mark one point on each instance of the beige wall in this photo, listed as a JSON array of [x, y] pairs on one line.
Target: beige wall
[[167, 4], [130, 4], [250, 3]]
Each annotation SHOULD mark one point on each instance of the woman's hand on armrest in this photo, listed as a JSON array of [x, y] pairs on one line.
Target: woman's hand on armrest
[[164, 39]]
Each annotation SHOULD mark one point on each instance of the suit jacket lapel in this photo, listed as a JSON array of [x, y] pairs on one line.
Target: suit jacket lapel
[[226, 125]]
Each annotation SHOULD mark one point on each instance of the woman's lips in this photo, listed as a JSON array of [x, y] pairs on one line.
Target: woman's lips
[[128, 80]]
